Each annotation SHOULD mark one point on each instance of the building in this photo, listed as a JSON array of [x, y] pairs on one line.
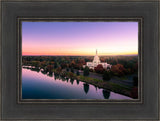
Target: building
[[96, 61]]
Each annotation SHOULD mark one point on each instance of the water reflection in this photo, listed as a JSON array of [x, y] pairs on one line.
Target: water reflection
[[72, 80], [67, 79], [63, 78], [50, 74], [95, 87], [106, 94], [56, 76], [86, 88], [43, 72], [77, 82], [53, 86], [35, 69]]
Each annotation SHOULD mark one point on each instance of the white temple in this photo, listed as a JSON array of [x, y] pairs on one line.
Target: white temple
[[96, 61]]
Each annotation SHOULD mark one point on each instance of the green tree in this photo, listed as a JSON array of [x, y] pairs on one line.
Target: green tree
[[35, 63], [77, 73], [55, 65], [106, 76], [86, 71], [67, 69], [72, 70]]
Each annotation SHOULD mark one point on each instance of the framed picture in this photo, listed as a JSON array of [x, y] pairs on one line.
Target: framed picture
[[114, 68], [79, 60]]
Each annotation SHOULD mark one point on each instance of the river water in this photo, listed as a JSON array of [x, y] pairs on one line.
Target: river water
[[36, 85]]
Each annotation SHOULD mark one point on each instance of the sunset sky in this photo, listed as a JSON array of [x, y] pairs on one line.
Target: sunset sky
[[79, 38]]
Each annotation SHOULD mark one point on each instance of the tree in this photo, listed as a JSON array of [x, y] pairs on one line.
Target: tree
[[134, 92], [35, 63], [135, 81], [118, 70], [73, 63], [63, 65], [58, 70], [67, 69], [72, 70], [77, 73], [99, 68], [55, 65], [86, 71], [71, 75], [106, 75], [49, 68]]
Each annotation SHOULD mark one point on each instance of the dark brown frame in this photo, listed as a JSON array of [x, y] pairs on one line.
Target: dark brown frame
[[11, 109], [91, 19]]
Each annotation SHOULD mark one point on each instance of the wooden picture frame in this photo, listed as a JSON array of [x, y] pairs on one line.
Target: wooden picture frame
[[146, 107], [90, 19]]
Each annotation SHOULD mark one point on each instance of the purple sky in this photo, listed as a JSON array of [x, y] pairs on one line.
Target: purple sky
[[79, 38]]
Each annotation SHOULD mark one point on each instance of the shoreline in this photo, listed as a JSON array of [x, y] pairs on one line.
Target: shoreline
[[110, 86]]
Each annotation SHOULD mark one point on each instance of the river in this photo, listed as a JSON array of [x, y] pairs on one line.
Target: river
[[36, 85]]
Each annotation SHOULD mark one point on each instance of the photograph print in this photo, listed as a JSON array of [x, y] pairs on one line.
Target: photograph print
[[80, 60]]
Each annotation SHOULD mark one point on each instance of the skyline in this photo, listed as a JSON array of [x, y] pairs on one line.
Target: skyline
[[79, 38]]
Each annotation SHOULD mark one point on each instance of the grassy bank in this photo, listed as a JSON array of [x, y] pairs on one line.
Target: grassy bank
[[124, 90]]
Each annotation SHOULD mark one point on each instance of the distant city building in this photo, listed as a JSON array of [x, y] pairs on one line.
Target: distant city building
[[96, 61]]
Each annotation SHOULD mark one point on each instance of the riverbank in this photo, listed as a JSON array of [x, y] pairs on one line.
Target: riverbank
[[124, 90], [108, 85]]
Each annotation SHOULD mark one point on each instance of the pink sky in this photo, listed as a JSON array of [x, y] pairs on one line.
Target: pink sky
[[79, 38]]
